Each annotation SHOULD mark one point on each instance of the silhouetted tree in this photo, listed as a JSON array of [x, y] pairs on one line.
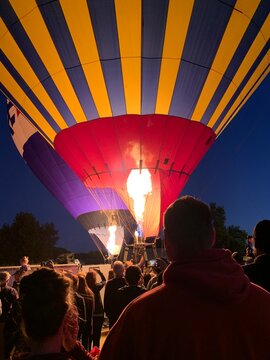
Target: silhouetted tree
[[26, 236], [231, 237], [237, 239], [219, 217]]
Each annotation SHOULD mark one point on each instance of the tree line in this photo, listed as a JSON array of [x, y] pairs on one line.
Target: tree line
[[26, 236], [228, 237]]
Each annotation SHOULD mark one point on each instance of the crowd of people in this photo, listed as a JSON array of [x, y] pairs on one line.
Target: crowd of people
[[199, 304]]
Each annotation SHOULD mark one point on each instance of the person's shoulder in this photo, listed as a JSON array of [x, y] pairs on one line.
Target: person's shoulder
[[260, 294], [122, 289], [149, 297]]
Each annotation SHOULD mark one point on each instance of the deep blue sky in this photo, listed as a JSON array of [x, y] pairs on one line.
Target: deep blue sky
[[235, 173]]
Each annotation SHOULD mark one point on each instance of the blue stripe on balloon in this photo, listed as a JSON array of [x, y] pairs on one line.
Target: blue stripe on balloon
[[104, 24], [252, 31], [243, 83], [190, 78], [153, 29], [113, 77], [207, 25], [18, 33], [63, 42], [28, 91], [249, 37]]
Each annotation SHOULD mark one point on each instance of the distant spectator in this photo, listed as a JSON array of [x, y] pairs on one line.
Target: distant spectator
[[130, 291], [259, 271], [8, 297], [110, 301], [89, 300], [206, 307], [98, 316], [159, 267], [24, 261], [17, 279]]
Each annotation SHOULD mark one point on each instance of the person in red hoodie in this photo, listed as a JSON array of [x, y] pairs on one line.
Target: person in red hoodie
[[205, 309]]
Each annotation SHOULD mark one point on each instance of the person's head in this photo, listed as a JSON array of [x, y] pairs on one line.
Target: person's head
[[133, 275], [4, 278], [74, 279], [261, 236], [118, 268], [83, 287], [188, 227], [24, 260], [46, 296], [91, 278]]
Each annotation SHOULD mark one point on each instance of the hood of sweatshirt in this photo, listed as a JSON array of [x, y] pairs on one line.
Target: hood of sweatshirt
[[211, 274]]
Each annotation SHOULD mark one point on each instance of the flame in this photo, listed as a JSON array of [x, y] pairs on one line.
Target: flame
[[111, 245], [139, 185]]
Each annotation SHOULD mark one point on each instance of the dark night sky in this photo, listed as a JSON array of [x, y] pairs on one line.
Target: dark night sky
[[235, 174]]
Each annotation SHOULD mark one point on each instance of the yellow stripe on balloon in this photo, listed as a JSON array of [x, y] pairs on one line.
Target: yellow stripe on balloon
[[246, 92], [16, 57], [178, 18], [12, 87], [128, 17], [250, 58], [231, 39], [80, 26], [38, 34]]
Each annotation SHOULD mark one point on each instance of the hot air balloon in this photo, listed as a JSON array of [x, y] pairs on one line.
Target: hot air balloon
[[97, 217], [131, 94]]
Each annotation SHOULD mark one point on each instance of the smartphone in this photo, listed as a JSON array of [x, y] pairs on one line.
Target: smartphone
[[152, 262]]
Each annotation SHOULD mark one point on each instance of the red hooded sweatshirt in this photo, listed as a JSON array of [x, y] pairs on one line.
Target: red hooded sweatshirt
[[206, 309]]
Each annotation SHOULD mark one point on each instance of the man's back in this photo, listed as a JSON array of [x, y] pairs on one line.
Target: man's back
[[207, 309], [110, 301]]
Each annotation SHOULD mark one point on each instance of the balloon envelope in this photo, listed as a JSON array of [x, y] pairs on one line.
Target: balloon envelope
[[161, 79]]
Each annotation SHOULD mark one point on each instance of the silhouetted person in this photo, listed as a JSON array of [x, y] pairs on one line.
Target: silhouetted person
[[259, 271], [98, 315], [130, 291], [24, 262], [8, 297], [50, 319], [89, 301], [206, 307], [110, 301]]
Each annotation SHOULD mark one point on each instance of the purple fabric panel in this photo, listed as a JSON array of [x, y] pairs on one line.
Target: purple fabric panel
[[62, 183]]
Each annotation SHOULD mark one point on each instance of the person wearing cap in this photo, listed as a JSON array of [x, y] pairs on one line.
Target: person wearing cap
[[8, 297], [206, 307], [259, 271]]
